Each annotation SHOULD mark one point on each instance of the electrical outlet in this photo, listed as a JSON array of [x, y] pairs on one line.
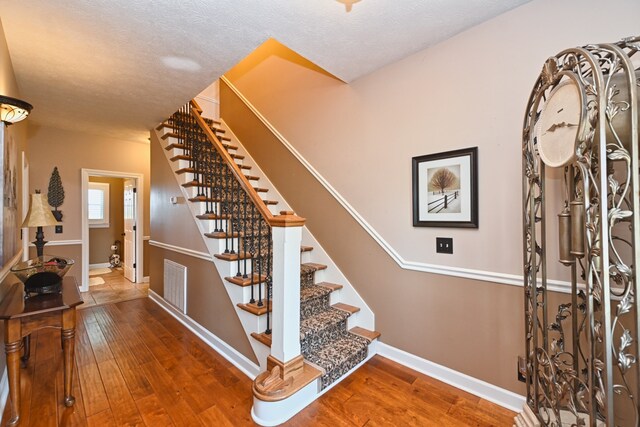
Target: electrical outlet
[[58, 229], [444, 245]]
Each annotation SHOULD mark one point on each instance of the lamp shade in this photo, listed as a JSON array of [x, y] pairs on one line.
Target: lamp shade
[[39, 214], [13, 110]]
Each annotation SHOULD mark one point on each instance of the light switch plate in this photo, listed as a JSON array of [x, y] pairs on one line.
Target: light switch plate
[[444, 245]]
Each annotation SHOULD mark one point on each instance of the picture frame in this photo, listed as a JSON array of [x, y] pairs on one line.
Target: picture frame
[[445, 189]]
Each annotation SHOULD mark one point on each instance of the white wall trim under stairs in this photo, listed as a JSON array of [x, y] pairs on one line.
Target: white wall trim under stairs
[[483, 389], [486, 276], [185, 251], [240, 361]]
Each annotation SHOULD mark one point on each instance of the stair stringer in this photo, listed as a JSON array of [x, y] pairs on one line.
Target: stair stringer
[[237, 294], [365, 318]]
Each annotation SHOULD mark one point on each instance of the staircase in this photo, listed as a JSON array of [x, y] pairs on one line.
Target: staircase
[[234, 214]]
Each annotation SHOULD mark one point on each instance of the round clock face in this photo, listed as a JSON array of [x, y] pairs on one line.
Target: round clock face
[[557, 127]]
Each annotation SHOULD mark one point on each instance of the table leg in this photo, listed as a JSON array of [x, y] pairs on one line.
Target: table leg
[[12, 347], [26, 343], [68, 348]]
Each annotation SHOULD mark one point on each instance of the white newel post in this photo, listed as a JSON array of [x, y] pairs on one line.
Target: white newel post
[[285, 314]]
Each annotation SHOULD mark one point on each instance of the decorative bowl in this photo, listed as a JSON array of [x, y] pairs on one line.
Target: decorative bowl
[[43, 274]]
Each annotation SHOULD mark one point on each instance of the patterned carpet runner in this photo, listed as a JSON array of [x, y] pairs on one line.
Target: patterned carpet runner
[[324, 339]]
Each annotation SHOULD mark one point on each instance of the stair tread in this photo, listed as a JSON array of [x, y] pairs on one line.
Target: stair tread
[[245, 167], [174, 145], [245, 281], [346, 307], [365, 333], [236, 156], [213, 216], [270, 202], [308, 292], [180, 157], [322, 320], [233, 257], [260, 190], [263, 338], [312, 267], [223, 235], [335, 355], [203, 199], [306, 248], [252, 177], [254, 309], [332, 286]]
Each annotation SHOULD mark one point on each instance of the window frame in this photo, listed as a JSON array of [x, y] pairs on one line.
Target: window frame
[[105, 188]]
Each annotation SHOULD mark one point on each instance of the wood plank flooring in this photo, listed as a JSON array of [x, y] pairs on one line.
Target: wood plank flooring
[[114, 289], [137, 366]]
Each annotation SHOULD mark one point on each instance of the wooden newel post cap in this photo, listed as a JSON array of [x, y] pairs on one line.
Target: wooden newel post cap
[[287, 219]]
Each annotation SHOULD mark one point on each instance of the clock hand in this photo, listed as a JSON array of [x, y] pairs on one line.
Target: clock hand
[[555, 126]]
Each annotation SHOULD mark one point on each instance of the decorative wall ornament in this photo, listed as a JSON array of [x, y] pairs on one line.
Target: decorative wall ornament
[[445, 189], [55, 193], [582, 356]]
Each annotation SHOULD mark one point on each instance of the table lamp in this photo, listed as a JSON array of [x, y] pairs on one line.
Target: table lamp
[[39, 215]]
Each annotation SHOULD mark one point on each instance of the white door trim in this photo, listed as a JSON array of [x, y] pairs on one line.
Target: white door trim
[[139, 178]]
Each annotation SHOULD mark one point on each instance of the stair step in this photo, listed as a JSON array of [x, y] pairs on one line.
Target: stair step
[[365, 333], [260, 190], [254, 309], [233, 257], [313, 267], [174, 145], [270, 202], [200, 199], [170, 126], [245, 167], [180, 157], [331, 286], [263, 338], [236, 156], [252, 178], [223, 138], [170, 135], [338, 357], [306, 248], [245, 281], [346, 307], [185, 170], [223, 235], [213, 216]]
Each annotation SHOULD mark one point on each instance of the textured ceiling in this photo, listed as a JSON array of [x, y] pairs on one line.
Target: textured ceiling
[[120, 66]]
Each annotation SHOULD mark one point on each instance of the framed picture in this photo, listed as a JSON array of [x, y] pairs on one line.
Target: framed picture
[[445, 189]]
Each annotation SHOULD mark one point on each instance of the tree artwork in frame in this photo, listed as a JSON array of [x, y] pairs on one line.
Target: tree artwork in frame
[[445, 189]]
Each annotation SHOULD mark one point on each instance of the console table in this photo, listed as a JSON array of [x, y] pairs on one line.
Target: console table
[[23, 317]]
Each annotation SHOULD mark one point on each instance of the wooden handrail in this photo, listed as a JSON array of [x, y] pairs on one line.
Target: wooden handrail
[[195, 105], [237, 172]]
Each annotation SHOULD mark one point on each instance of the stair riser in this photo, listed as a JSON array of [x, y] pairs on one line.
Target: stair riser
[[209, 225], [218, 246], [175, 152], [172, 140], [180, 164]]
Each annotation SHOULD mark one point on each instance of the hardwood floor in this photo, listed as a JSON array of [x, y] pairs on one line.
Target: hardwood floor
[[114, 289], [136, 365]]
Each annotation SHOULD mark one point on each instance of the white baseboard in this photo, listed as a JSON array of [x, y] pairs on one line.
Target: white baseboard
[[239, 360], [4, 390], [490, 392], [101, 265]]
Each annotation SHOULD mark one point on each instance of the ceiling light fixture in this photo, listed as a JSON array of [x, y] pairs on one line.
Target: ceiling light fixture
[[13, 110], [348, 4]]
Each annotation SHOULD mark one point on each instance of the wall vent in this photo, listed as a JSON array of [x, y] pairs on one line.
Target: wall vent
[[175, 285]]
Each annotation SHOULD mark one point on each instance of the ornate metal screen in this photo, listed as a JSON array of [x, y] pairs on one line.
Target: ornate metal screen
[[582, 354]]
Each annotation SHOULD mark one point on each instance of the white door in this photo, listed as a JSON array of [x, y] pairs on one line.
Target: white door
[[130, 230]]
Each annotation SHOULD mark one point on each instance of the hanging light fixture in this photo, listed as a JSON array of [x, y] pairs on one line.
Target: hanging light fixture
[[13, 110], [348, 4]]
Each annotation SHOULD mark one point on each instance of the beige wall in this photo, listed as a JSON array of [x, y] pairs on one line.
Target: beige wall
[[72, 151], [468, 91], [207, 300], [101, 239]]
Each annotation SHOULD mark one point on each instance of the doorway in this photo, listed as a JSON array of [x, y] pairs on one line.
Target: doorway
[[131, 235]]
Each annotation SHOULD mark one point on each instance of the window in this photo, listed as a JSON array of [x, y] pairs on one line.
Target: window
[[98, 205]]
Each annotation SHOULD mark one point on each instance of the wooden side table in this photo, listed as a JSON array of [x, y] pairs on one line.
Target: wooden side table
[[23, 317]]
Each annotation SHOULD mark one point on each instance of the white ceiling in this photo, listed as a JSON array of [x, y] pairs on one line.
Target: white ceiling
[[121, 66]]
